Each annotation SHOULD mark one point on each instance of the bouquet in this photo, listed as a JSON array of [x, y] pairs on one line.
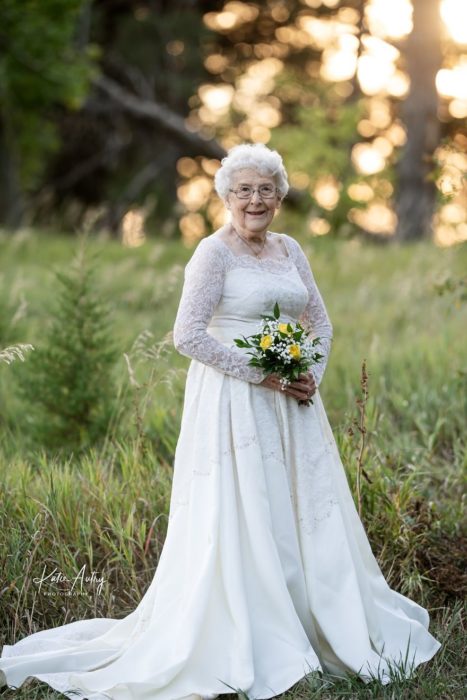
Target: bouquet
[[281, 348]]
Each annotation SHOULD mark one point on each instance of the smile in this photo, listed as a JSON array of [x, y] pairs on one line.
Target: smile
[[256, 213]]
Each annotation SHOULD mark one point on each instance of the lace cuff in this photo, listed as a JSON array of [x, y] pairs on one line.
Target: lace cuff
[[314, 317], [202, 290]]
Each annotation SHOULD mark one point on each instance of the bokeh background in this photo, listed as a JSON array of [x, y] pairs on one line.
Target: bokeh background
[[114, 115]]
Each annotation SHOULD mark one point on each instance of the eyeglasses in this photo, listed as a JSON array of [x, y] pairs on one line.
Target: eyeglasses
[[264, 191]]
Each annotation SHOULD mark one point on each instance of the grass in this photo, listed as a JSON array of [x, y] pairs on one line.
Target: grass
[[106, 509]]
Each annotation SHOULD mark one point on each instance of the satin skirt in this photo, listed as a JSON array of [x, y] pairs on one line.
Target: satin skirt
[[266, 573]]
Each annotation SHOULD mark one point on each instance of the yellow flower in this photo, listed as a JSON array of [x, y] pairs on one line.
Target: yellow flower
[[294, 351], [283, 328], [265, 341]]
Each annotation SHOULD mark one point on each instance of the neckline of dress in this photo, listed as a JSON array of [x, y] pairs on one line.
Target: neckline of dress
[[287, 259]]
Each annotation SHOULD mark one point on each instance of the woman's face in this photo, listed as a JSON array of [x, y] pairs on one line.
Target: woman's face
[[256, 213]]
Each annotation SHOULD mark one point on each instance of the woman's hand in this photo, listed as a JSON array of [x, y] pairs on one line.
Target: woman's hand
[[303, 388]]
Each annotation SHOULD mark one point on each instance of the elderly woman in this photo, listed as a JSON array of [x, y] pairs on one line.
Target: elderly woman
[[252, 182], [266, 573]]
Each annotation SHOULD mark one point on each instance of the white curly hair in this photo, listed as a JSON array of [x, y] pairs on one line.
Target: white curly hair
[[251, 155]]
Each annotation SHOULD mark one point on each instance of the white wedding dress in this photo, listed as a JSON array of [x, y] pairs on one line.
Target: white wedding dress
[[266, 573]]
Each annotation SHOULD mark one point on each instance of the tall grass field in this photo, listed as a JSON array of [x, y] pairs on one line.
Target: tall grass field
[[394, 392]]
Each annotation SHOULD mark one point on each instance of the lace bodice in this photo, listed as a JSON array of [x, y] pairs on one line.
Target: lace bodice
[[224, 289]]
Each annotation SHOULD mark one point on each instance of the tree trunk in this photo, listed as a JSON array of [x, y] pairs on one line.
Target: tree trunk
[[11, 197], [416, 196], [171, 123]]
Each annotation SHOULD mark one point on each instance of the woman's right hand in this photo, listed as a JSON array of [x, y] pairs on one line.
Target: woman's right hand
[[271, 381], [298, 390]]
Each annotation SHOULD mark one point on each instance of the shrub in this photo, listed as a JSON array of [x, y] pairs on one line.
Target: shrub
[[69, 383]]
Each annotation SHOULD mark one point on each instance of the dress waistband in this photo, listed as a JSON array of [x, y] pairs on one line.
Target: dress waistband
[[226, 329]]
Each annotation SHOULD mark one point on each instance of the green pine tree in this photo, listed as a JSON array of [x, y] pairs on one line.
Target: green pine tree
[[69, 385]]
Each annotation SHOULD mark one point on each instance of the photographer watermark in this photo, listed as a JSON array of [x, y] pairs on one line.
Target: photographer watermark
[[55, 582]]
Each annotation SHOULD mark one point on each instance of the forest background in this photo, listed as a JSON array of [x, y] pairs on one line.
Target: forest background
[[114, 116]]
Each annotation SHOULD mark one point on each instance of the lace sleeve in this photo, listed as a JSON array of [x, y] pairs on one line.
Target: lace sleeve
[[202, 290], [314, 316]]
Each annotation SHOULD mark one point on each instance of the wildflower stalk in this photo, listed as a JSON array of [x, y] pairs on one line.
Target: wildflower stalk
[[15, 352], [361, 427]]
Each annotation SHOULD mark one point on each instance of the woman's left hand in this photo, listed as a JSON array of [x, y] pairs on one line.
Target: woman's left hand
[[303, 388]]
